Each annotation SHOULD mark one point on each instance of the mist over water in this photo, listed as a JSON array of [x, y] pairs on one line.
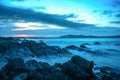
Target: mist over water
[[109, 51]]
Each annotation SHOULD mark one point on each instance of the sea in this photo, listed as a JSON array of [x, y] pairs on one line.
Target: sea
[[109, 50]]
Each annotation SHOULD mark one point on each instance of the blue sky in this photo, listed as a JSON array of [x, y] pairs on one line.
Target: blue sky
[[51, 18]]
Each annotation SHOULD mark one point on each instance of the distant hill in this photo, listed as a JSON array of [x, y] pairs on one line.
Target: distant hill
[[88, 36]]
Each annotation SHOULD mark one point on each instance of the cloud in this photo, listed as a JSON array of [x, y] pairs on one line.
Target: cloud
[[22, 0], [40, 7], [72, 15], [107, 12], [117, 15], [18, 0], [97, 31], [115, 22], [23, 35], [30, 15], [115, 4], [104, 12], [20, 26]]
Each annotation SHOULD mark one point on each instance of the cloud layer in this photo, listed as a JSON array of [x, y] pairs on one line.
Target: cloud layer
[[30, 15]]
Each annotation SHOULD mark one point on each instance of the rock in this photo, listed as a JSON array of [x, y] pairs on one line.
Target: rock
[[108, 73], [44, 75], [73, 47], [45, 66], [83, 46], [118, 44], [96, 43], [74, 71], [28, 48], [59, 75], [14, 50], [87, 65], [34, 65], [3, 47], [22, 76], [41, 49], [14, 67], [17, 52], [78, 68]]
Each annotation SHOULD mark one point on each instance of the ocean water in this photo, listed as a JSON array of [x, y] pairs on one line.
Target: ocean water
[[108, 45], [62, 42]]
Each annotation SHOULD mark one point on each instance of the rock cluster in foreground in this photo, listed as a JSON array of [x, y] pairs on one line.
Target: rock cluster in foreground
[[77, 68]]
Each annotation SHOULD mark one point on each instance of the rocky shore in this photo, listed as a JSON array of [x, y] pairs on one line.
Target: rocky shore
[[14, 51], [28, 48], [77, 68]]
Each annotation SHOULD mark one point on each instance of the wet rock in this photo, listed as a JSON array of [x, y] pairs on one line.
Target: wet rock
[[75, 71], [14, 50], [28, 48], [17, 52], [73, 47], [3, 48], [97, 43], [83, 46], [44, 75], [108, 73], [85, 64], [13, 68], [22, 76], [41, 49], [118, 44], [78, 68], [34, 65]]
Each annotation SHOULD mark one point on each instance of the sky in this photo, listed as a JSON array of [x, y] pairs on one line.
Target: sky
[[53, 18]]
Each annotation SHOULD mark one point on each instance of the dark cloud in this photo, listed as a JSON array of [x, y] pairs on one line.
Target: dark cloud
[[107, 12], [104, 12], [117, 15], [30, 15], [97, 11], [18, 0], [115, 4], [115, 22], [70, 16]]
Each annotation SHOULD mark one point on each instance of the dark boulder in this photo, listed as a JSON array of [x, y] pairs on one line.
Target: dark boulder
[[34, 65], [73, 47], [118, 44], [78, 68], [96, 43], [74, 71], [83, 46], [87, 65], [108, 73], [41, 49], [45, 75], [13, 68], [22, 76]]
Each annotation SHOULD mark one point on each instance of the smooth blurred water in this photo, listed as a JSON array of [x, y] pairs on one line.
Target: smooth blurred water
[[108, 45], [62, 42]]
